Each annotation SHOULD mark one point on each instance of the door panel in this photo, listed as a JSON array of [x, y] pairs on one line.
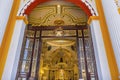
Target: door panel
[[32, 66]]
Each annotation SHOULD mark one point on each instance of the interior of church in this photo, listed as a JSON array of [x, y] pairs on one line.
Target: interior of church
[[59, 40], [55, 36]]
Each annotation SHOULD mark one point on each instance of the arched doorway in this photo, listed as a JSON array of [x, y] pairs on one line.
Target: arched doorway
[[57, 45]]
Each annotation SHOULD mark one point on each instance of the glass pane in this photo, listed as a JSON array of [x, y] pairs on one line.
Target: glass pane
[[28, 49], [38, 34], [34, 63], [86, 32], [35, 55], [25, 66], [89, 57], [48, 33], [30, 33], [27, 54], [80, 33], [90, 61], [82, 58], [36, 47], [23, 75], [69, 32], [29, 44]]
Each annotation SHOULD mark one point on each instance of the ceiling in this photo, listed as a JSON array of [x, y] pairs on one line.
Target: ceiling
[[57, 13], [54, 49]]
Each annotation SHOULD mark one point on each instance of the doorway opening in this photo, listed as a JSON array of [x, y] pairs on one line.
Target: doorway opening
[[57, 44], [57, 53], [58, 59]]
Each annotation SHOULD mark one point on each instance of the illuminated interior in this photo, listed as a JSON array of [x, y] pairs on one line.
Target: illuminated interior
[[57, 44]]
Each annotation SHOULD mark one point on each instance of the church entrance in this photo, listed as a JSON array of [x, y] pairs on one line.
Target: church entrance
[[57, 53], [57, 44]]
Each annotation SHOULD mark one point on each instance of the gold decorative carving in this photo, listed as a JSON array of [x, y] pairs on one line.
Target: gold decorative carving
[[47, 15], [59, 59], [61, 43], [59, 22]]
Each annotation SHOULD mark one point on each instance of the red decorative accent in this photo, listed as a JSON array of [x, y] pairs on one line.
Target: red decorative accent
[[82, 5], [79, 3], [33, 5]]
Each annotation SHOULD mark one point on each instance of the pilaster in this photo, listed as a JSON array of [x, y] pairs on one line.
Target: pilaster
[[12, 61], [107, 39], [8, 35], [113, 21], [99, 49]]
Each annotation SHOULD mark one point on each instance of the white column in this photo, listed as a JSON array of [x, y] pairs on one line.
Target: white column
[[113, 21], [11, 65], [99, 50], [5, 8]]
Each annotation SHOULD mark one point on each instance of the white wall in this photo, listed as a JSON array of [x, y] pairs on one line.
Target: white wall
[[113, 21], [11, 65], [5, 8], [100, 53]]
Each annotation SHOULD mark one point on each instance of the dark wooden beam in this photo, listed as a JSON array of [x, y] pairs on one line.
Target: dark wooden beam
[[77, 27]]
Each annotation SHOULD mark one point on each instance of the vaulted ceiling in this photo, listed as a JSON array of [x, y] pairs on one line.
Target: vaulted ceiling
[[55, 49]]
